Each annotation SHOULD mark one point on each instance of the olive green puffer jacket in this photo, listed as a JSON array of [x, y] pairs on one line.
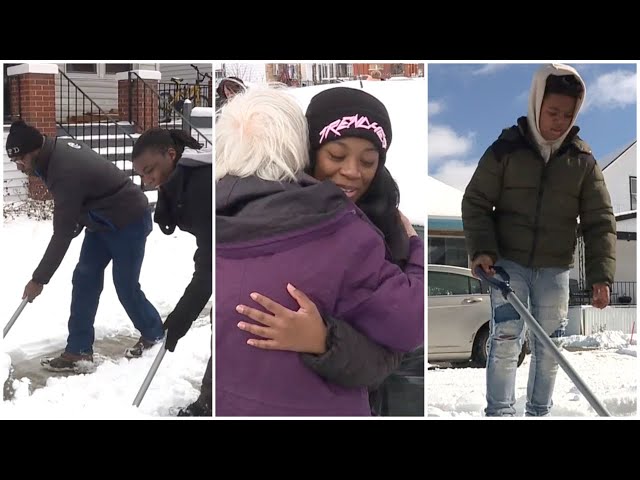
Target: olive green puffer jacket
[[534, 222]]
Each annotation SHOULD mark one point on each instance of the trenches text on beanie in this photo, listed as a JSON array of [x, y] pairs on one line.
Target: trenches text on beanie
[[348, 112]]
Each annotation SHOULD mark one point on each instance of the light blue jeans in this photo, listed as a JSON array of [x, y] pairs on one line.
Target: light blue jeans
[[545, 291]]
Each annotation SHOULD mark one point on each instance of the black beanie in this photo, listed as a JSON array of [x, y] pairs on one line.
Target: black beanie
[[235, 83], [22, 139], [348, 112]]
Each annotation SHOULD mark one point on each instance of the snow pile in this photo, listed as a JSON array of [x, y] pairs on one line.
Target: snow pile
[[600, 340], [202, 112], [5, 366], [629, 350]]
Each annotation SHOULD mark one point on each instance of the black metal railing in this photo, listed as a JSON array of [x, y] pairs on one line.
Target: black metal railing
[[168, 116], [172, 97], [622, 293], [82, 119]]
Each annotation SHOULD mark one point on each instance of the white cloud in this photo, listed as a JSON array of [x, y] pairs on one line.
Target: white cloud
[[489, 68], [436, 107], [456, 173], [523, 98], [615, 89], [445, 142]]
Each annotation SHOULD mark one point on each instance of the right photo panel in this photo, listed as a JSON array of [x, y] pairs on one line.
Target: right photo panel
[[532, 240]]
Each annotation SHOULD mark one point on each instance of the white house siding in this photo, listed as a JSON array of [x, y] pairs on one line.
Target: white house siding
[[616, 176], [14, 182], [100, 87], [626, 255], [184, 71], [626, 261]]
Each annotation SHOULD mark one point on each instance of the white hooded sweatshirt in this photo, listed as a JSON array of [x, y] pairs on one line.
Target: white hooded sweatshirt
[[536, 95]]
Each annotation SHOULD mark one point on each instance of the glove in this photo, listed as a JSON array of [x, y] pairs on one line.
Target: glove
[[176, 328]]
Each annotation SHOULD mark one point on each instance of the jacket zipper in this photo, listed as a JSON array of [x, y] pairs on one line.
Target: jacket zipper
[[537, 217], [543, 176]]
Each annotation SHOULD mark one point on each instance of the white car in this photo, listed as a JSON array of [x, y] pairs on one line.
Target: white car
[[459, 315]]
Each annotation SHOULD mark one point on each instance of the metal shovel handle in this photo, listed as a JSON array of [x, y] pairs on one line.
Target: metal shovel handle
[[14, 317], [541, 335], [150, 374]]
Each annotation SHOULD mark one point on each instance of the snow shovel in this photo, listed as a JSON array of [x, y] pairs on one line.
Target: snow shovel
[[532, 323], [150, 375], [14, 317]]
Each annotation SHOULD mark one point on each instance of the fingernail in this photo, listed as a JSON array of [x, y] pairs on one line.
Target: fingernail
[[291, 287], [241, 325], [239, 308], [250, 342], [254, 296]]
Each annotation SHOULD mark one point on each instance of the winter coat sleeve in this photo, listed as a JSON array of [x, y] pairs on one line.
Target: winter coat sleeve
[[351, 359], [480, 197], [66, 211], [198, 291], [598, 225], [385, 303]]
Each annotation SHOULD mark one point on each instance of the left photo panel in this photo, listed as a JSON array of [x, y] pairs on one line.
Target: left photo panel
[[106, 258]]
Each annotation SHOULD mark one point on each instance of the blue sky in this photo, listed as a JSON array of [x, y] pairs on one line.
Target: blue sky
[[469, 105]]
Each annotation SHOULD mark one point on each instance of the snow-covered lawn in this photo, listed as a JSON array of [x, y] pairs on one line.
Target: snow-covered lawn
[[41, 330], [606, 362]]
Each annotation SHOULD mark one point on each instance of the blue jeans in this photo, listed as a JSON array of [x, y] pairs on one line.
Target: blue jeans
[[545, 291], [126, 248]]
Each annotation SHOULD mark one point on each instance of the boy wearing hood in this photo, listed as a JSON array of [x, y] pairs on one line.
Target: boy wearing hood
[[520, 211]]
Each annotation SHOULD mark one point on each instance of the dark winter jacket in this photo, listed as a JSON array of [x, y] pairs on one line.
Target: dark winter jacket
[[185, 201], [352, 359], [537, 205], [309, 234], [88, 190]]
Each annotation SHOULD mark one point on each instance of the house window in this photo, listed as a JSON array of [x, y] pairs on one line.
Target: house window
[[397, 69], [632, 191], [447, 251], [91, 68], [113, 68]]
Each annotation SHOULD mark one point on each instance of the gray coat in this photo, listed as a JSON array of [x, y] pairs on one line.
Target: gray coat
[[88, 190]]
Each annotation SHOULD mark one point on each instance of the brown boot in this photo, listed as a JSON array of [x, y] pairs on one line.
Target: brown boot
[[138, 348], [67, 362]]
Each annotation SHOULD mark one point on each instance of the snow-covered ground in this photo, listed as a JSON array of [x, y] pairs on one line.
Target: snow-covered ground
[[606, 362], [42, 330]]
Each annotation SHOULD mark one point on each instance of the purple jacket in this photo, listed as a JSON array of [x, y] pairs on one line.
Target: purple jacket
[[311, 235]]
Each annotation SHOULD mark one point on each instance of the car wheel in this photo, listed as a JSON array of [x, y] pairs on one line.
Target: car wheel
[[480, 347], [480, 350]]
